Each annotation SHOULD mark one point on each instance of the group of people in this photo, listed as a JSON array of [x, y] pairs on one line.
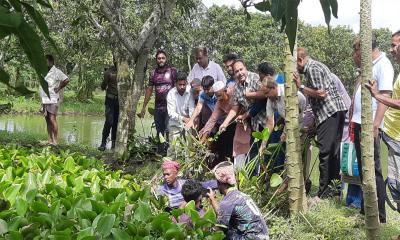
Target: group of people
[[205, 102]]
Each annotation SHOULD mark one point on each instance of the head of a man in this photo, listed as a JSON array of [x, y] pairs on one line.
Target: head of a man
[[271, 88], [219, 89], [394, 46], [302, 59], [181, 83], [228, 60], [357, 50], [207, 83], [161, 58], [266, 72], [195, 86], [170, 172], [240, 70], [225, 174], [50, 61], [201, 56], [192, 190]]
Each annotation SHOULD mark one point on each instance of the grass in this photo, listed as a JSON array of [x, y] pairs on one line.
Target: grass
[[70, 105], [327, 220]]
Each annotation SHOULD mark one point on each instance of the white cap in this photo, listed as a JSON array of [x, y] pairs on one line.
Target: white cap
[[218, 85]]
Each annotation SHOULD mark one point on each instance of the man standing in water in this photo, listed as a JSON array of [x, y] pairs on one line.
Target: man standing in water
[[56, 81], [112, 107]]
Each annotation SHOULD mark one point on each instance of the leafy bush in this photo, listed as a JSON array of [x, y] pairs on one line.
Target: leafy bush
[[71, 196]]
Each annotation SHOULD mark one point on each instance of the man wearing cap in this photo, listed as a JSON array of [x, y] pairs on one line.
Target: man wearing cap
[[172, 185], [237, 211]]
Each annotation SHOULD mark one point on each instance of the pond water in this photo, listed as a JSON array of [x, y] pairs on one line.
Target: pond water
[[85, 130]]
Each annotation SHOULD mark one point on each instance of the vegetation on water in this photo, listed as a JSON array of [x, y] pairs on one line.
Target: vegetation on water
[[71, 196], [327, 220]]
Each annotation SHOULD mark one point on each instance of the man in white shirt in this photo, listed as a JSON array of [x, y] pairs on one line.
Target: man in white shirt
[[56, 81], [383, 74], [180, 105], [205, 67]]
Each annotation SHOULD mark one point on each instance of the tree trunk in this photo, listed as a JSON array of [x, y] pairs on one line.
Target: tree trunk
[[294, 166], [367, 141]]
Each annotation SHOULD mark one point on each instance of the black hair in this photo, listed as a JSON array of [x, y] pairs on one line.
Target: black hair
[[230, 57], [239, 60], [396, 34], [192, 190], [202, 50], [266, 68], [160, 51], [181, 76], [50, 58], [207, 81], [374, 42]]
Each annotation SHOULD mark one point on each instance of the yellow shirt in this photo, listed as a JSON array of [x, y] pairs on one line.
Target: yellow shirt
[[391, 121]]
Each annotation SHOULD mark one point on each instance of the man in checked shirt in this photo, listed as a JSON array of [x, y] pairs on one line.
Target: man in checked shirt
[[329, 110]]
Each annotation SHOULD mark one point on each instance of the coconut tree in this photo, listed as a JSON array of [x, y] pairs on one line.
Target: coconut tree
[[367, 141]]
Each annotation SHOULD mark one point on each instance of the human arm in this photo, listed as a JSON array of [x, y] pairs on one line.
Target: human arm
[[213, 202], [388, 101], [64, 80], [211, 121], [194, 115], [147, 96], [311, 92], [232, 113], [255, 95], [171, 107]]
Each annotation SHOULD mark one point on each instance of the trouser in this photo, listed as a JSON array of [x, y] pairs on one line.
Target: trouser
[[380, 183], [111, 123], [393, 178], [278, 160], [329, 135], [161, 123], [223, 146]]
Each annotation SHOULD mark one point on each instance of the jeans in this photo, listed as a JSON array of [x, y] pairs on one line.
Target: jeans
[[111, 123], [393, 179], [161, 122], [380, 183]]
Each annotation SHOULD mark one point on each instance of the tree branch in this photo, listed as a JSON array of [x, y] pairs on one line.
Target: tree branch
[[122, 36]]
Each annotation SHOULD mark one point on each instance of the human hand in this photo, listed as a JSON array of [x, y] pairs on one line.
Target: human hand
[[186, 120], [376, 130], [321, 93], [372, 87], [283, 137], [211, 194], [141, 114], [223, 127], [242, 117], [297, 79], [189, 124]]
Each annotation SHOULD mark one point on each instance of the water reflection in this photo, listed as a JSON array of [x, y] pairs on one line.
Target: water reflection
[[85, 130]]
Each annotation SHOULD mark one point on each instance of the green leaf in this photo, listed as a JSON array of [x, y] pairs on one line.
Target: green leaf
[[87, 232], [14, 235], [210, 216], [39, 206], [265, 134], [263, 6], [291, 16], [3, 227], [143, 212], [64, 224], [10, 19], [275, 180], [326, 8], [278, 8], [257, 135], [119, 234], [21, 206], [334, 7], [105, 224], [31, 43], [174, 233], [69, 164], [10, 194]]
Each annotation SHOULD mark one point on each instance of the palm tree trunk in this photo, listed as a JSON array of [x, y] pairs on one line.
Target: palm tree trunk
[[297, 195], [367, 141]]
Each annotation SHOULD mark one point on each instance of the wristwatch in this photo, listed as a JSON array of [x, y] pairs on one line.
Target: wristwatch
[[301, 88]]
